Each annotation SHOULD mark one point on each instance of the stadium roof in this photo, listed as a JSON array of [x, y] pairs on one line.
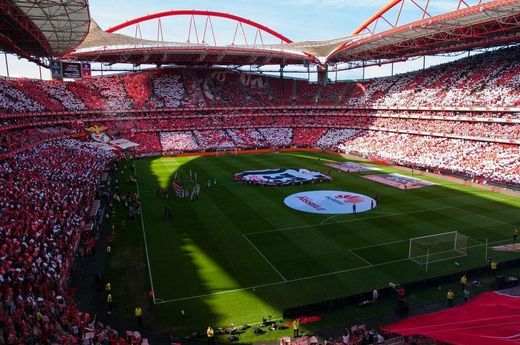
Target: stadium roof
[[42, 28], [62, 28], [111, 47], [484, 25], [487, 24]]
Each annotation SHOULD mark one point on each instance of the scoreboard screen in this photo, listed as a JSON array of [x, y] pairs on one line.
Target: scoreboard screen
[[71, 70]]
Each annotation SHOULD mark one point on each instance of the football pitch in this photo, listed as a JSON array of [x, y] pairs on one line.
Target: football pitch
[[239, 253]]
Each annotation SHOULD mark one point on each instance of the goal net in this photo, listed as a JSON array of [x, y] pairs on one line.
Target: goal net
[[438, 247]]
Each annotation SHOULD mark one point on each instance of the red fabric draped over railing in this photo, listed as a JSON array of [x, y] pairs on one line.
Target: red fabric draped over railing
[[492, 318]]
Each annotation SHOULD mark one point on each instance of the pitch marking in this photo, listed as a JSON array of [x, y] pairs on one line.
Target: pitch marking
[[486, 196], [487, 217], [359, 256], [493, 219], [337, 215], [263, 256], [296, 279], [381, 244], [145, 242], [345, 221]]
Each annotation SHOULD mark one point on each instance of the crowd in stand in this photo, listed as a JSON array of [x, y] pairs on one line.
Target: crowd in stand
[[228, 91], [334, 137], [13, 140], [194, 95], [490, 79], [138, 88], [356, 133], [43, 201], [89, 95], [247, 138], [178, 141], [214, 132], [15, 100], [168, 91], [216, 139], [60, 92], [277, 137], [112, 90], [478, 160], [484, 80], [307, 136], [46, 188], [34, 90], [148, 142], [421, 120], [261, 92]]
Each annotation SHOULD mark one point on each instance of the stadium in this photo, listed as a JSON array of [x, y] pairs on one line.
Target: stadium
[[198, 176]]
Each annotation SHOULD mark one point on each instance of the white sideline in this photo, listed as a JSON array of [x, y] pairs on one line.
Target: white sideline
[[281, 282], [300, 279], [496, 199], [493, 219], [345, 221], [145, 242], [263, 256]]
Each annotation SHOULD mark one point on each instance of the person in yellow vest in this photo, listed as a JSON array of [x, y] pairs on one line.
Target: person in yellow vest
[[515, 234], [463, 282], [211, 334], [494, 266], [139, 315], [108, 287], [450, 296], [109, 303], [296, 327]]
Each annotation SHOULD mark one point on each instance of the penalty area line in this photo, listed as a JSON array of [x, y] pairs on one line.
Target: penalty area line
[[295, 280], [263, 256], [359, 256]]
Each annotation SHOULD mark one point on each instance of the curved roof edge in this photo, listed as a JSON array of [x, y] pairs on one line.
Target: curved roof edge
[[36, 29], [472, 27]]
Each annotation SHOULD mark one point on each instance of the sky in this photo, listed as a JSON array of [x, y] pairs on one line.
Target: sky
[[298, 20]]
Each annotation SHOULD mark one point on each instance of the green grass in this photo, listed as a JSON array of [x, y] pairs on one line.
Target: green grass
[[239, 253]]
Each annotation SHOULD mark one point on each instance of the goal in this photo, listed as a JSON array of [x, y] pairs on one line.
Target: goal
[[439, 247]]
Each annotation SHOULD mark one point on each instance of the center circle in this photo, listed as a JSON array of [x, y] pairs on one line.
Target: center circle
[[330, 202]]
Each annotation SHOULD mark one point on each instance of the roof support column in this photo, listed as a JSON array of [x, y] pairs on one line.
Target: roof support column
[[6, 65], [282, 88]]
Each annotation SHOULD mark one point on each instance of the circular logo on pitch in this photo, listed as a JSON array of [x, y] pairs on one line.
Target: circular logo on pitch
[[330, 202]]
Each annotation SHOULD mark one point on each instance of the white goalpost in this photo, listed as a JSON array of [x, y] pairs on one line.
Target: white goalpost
[[439, 247]]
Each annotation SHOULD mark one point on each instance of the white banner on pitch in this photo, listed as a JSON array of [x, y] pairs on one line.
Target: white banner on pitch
[[330, 202]]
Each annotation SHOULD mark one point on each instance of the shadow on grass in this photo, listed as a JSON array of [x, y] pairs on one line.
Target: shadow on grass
[[201, 255]]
